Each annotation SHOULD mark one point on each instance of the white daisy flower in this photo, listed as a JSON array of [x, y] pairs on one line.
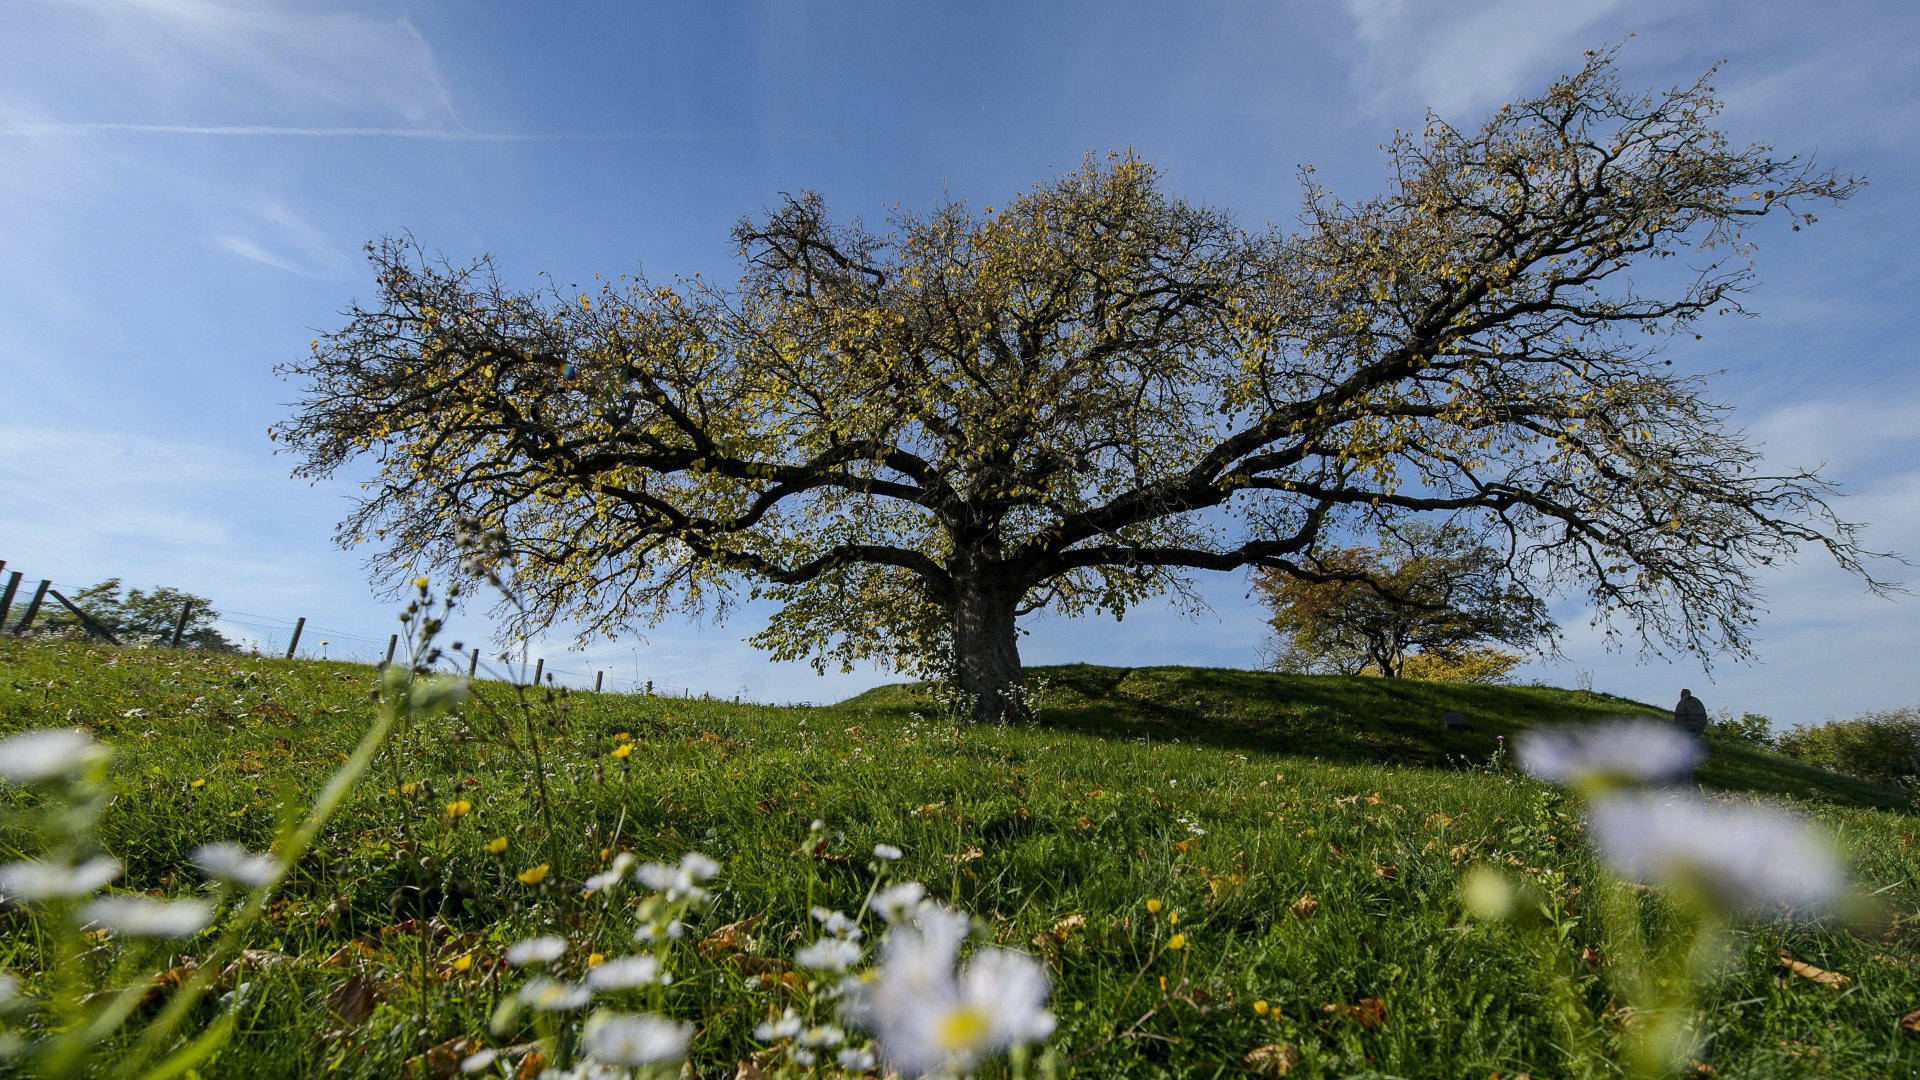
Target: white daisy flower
[[609, 879], [896, 902], [837, 924], [475, 1062], [649, 933], [788, 1026], [536, 951], [680, 881], [33, 880], [828, 954], [227, 861], [140, 916], [858, 1061], [887, 852], [1744, 857], [635, 1039], [1611, 753], [549, 995], [925, 1019], [625, 973], [47, 753], [825, 1036]]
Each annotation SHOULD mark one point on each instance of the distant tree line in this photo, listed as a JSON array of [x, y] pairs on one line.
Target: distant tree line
[[137, 617]]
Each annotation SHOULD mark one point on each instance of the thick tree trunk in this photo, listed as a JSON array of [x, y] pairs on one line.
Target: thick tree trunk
[[986, 653]]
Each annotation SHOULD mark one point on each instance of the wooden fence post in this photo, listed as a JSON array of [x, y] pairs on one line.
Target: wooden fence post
[[86, 620], [473, 664], [538, 666], [180, 627], [295, 643], [33, 607], [393, 642], [6, 598], [598, 678]]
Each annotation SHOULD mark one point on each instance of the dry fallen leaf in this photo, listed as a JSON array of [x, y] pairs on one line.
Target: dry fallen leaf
[[352, 1001], [1368, 1012], [1832, 980], [1304, 907], [972, 853], [1274, 1059], [1911, 1022], [735, 937], [1059, 933]]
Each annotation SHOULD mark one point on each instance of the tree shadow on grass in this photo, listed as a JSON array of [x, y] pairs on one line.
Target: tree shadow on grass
[[1360, 720]]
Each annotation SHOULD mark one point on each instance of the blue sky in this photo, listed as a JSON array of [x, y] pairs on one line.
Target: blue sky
[[185, 186]]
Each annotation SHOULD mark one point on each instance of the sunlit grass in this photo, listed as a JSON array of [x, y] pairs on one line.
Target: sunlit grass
[[1317, 901]]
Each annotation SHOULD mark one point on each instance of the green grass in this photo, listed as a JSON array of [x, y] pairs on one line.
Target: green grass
[[1228, 795]]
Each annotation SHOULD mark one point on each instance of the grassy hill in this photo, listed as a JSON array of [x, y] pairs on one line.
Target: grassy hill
[[1310, 833]]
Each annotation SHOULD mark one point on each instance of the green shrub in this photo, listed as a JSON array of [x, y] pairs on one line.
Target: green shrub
[[1751, 728], [1878, 746]]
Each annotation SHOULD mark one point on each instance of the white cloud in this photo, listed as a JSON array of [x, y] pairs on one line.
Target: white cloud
[[188, 57], [1458, 60]]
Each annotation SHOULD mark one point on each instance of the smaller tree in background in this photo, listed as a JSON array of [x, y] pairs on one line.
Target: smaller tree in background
[[139, 617], [1426, 601]]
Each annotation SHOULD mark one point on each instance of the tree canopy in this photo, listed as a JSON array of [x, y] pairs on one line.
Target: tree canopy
[[909, 438], [1426, 592], [139, 616]]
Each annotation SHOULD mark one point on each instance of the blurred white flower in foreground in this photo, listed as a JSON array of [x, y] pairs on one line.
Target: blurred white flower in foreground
[[828, 954], [140, 916], [227, 861], [548, 995], [1744, 857], [536, 951], [683, 880], [887, 852], [634, 1039], [34, 880], [1611, 753], [836, 923], [609, 879], [626, 972], [48, 753], [926, 1019], [897, 902]]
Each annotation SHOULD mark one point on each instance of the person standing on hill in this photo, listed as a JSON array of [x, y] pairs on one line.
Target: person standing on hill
[[1690, 716]]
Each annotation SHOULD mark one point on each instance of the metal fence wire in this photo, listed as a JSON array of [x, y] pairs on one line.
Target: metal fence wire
[[27, 609]]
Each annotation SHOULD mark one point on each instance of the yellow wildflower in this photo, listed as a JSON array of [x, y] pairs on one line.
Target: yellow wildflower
[[1153, 907], [533, 875], [1177, 942], [463, 962], [497, 846], [1173, 918], [596, 959], [458, 809], [197, 784], [1261, 1007], [623, 750]]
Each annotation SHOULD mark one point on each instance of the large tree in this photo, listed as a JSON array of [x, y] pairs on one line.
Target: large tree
[[908, 439], [1428, 590]]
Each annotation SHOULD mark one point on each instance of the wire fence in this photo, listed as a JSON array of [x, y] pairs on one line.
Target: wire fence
[[47, 608]]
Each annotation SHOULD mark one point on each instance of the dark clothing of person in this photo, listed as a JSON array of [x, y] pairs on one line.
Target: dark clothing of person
[[1690, 716]]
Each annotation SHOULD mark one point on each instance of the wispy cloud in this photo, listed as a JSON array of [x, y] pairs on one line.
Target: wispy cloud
[[175, 57], [1458, 60], [428, 134]]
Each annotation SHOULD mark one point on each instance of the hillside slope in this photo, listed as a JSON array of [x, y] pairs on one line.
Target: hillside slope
[[1326, 891], [1362, 720]]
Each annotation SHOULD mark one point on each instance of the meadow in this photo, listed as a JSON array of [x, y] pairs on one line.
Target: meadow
[[1224, 873]]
